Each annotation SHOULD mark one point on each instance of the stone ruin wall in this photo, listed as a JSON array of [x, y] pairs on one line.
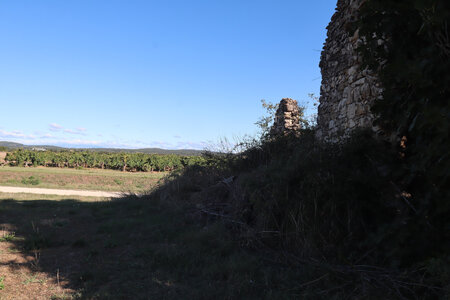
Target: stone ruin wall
[[287, 118], [347, 92]]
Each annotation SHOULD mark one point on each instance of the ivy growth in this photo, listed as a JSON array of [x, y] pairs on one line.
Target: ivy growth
[[408, 44]]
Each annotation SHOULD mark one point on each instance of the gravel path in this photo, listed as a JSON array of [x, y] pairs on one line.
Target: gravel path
[[10, 189]]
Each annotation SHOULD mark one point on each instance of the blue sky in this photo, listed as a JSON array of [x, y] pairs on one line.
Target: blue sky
[[141, 73]]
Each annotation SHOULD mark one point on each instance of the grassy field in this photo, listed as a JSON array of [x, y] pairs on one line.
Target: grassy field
[[84, 179], [133, 248]]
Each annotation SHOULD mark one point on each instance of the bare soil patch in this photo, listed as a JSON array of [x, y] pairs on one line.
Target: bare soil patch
[[22, 277]]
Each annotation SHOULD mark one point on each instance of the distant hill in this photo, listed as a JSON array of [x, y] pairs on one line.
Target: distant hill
[[189, 152], [10, 145]]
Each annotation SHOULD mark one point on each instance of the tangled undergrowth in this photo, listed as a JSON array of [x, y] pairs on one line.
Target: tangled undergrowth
[[342, 209]]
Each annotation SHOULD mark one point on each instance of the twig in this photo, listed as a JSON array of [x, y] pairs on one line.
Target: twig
[[313, 281], [227, 218], [404, 198], [57, 276]]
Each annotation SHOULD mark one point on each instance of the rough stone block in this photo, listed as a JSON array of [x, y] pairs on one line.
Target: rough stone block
[[287, 117]]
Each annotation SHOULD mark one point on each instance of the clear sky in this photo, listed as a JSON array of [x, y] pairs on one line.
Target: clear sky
[[142, 73]]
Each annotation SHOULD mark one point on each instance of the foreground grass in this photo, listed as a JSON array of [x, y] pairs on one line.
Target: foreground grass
[[91, 248], [84, 179]]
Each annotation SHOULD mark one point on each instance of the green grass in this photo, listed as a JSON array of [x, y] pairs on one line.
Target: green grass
[[32, 279]]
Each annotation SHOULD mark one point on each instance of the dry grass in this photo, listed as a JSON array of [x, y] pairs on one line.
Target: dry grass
[[25, 271], [133, 248], [87, 179]]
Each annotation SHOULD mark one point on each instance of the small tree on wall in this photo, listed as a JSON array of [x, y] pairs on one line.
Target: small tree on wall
[[265, 122]]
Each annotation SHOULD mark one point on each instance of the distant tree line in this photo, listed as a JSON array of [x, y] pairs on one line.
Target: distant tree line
[[115, 161]]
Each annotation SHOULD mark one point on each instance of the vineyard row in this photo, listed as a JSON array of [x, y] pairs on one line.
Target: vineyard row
[[115, 161]]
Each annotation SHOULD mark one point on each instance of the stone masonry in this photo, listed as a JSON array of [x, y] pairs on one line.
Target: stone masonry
[[347, 92], [287, 117]]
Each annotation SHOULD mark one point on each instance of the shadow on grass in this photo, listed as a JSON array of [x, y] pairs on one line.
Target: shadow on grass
[[137, 248]]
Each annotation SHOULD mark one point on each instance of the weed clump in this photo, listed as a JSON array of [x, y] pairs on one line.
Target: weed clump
[[8, 237], [31, 180]]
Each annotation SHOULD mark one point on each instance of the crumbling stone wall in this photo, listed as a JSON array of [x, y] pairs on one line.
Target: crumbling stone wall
[[287, 117], [347, 92]]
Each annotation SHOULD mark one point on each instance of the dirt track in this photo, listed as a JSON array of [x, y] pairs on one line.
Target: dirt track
[[10, 189]]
